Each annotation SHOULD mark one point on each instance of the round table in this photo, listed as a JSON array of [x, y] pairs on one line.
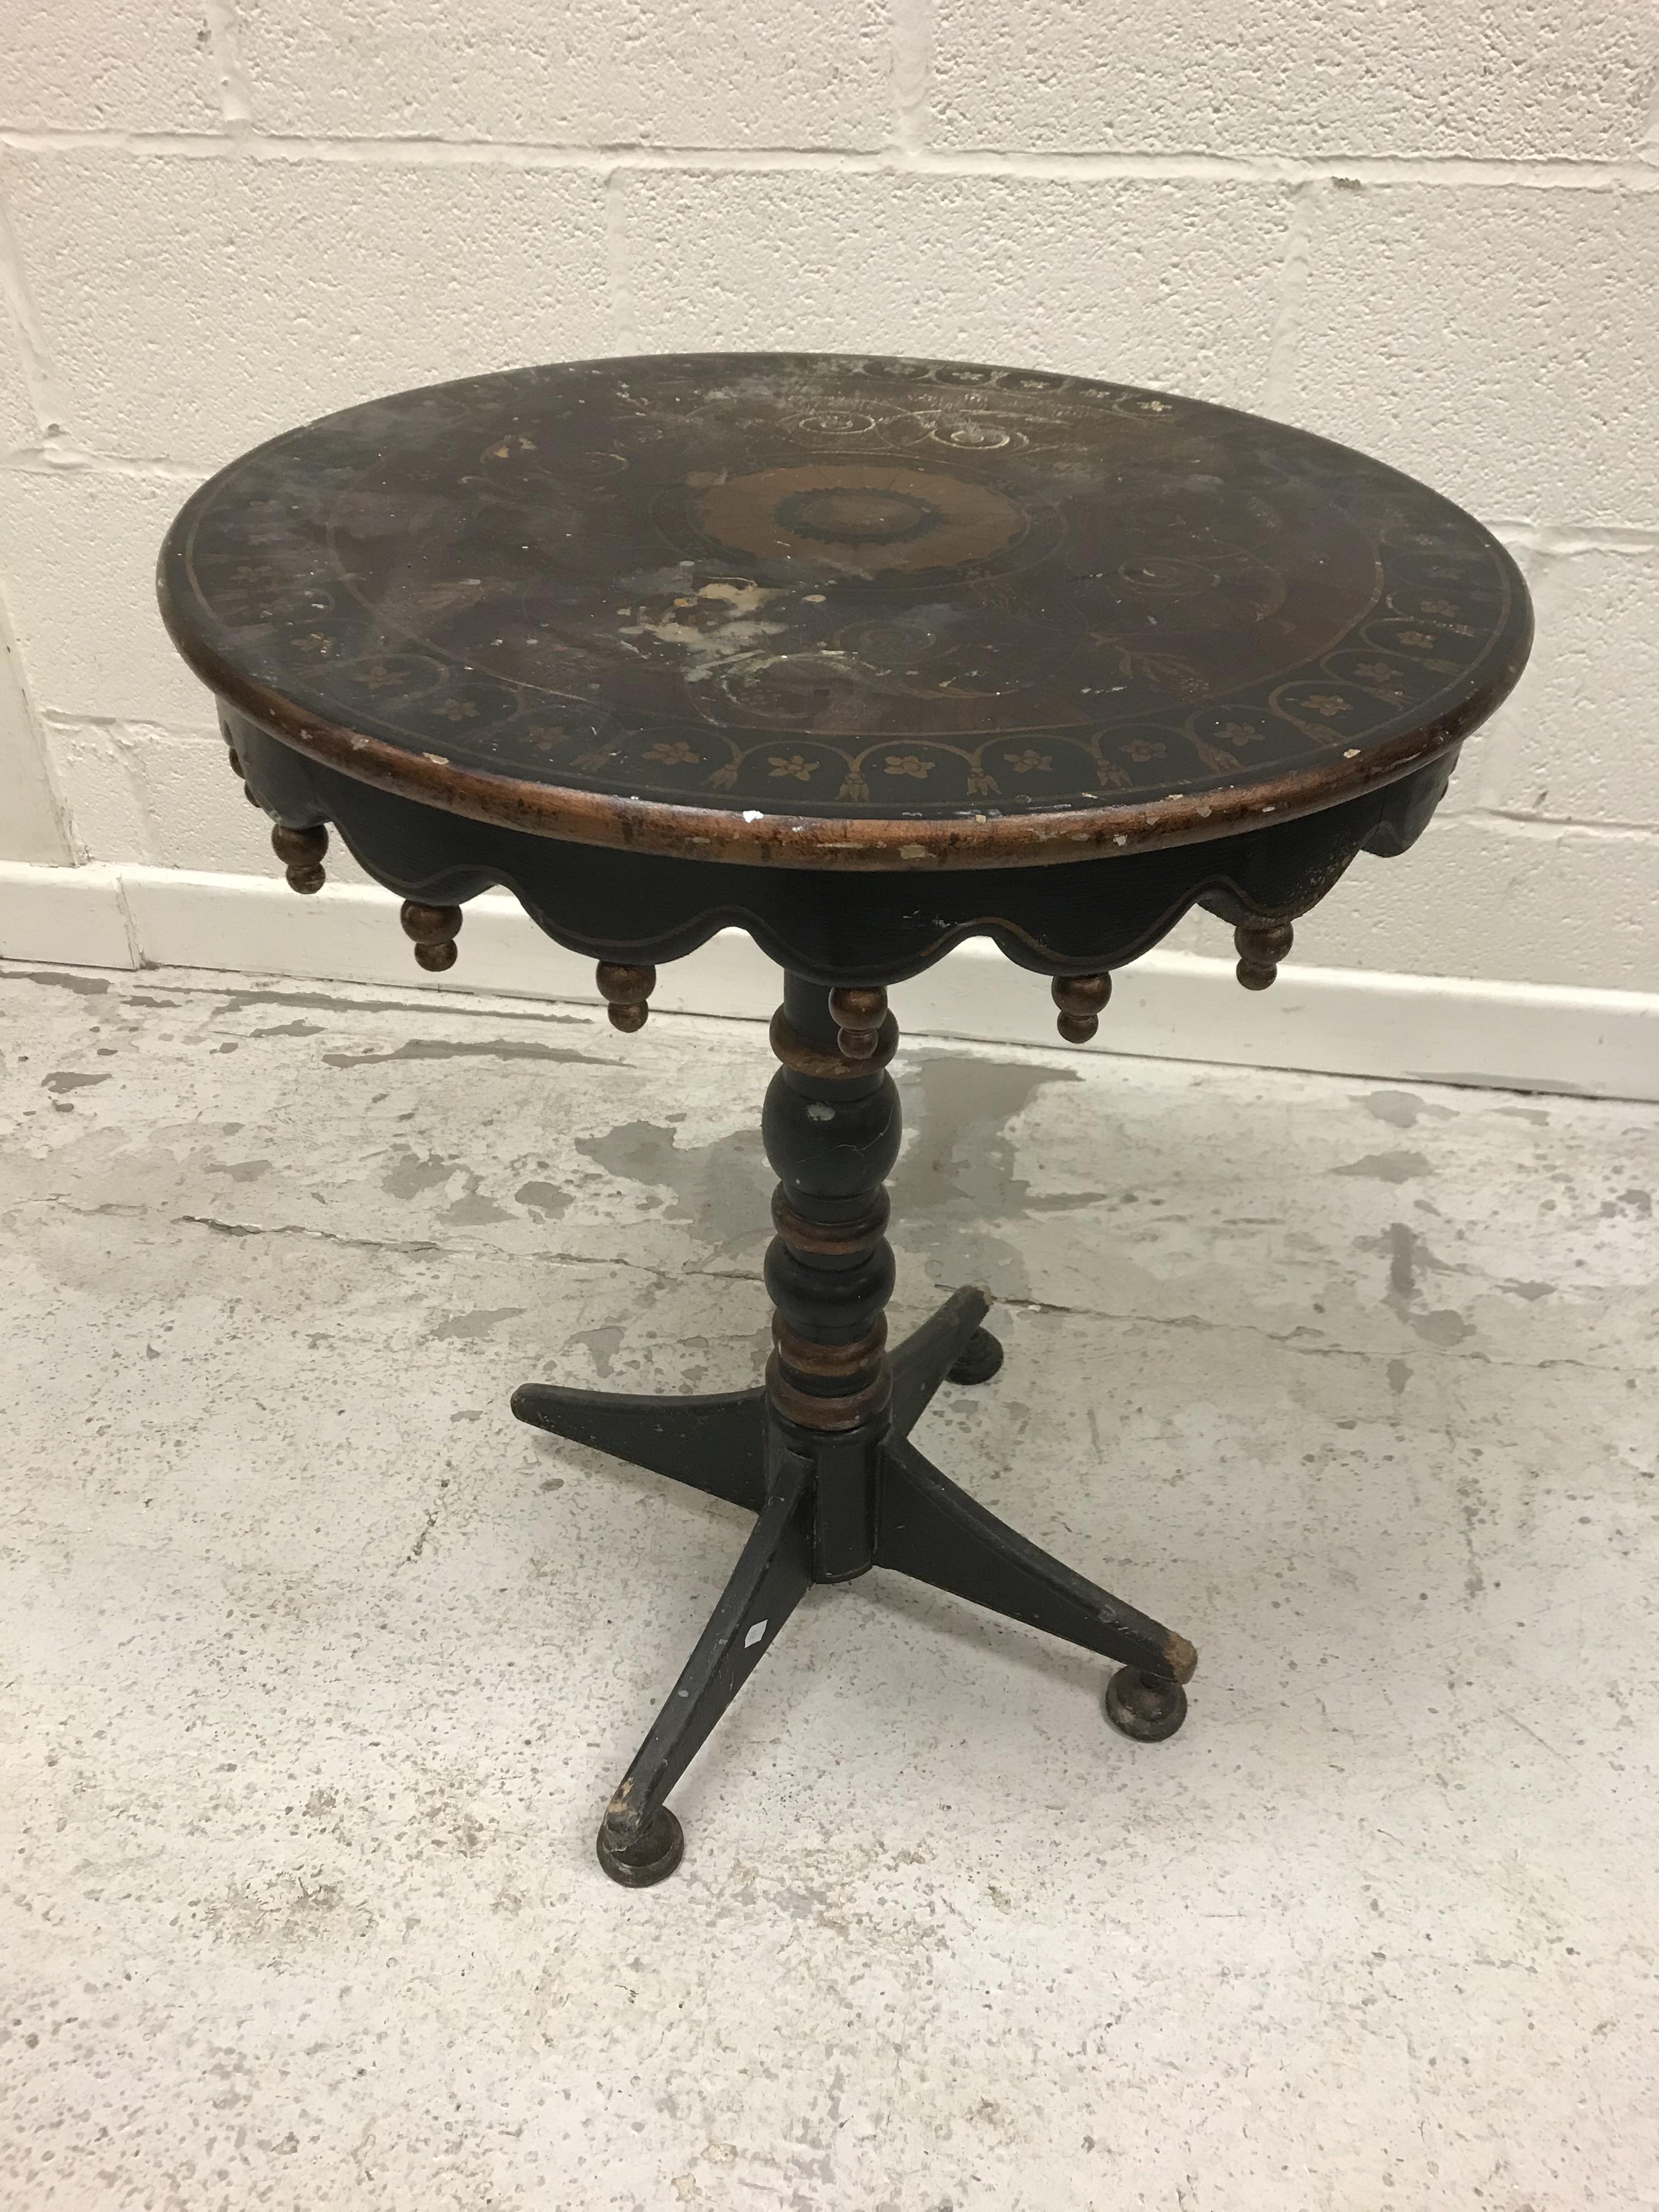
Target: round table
[[863, 656]]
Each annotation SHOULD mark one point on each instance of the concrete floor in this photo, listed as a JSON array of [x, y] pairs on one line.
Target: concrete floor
[[318, 1668]]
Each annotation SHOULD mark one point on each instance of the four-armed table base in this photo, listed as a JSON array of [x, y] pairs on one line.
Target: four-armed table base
[[821, 1453]]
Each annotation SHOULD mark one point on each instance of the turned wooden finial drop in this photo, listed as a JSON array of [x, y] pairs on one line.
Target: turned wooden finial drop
[[1080, 998], [1262, 947], [433, 930], [858, 1016], [626, 989], [300, 852]]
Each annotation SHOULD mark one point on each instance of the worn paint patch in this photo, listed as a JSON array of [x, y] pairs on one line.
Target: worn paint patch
[[1401, 1109], [453, 1009], [89, 987], [1477, 1079], [1408, 1254], [1409, 1258], [1636, 1202], [468, 1327], [1445, 1327], [451, 1048], [63, 1079], [413, 1172], [472, 1208], [601, 1344], [1471, 1507], [958, 1175], [956, 1180], [1388, 1167], [723, 1188], [545, 1200]]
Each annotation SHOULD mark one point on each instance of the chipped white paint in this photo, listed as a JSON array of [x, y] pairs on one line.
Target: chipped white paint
[[319, 1673], [734, 638], [1324, 216]]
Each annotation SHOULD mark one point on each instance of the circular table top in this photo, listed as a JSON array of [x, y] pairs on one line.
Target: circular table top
[[828, 610]]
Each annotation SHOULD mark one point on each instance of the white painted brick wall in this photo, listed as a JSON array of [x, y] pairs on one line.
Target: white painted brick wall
[[34, 827], [18, 427], [1490, 79], [1431, 229], [80, 545], [107, 65], [1501, 340], [795, 73], [294, 287], [1575, 747], [1149, 280]]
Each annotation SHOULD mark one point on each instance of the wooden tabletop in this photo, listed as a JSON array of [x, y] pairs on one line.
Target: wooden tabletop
[[821, 610]]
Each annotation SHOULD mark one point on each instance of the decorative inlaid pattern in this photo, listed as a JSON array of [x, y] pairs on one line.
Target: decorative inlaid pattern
[[840, 588]]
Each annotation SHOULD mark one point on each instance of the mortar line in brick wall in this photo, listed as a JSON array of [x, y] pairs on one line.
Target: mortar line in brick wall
[[1557, 829], [34, 357], [60, 458], [115, 749], [912, 74], [1381, 170], [1344, 170], [619, 267], [1291, 290], [1560, 541], [1504, 739], [1648, 141], [35, 732], [138, 725], [225, 42]]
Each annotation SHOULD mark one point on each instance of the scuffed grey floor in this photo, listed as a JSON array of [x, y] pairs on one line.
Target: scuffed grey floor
[[318, 1668]]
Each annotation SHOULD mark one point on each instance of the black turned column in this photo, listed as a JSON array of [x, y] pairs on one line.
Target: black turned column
[[831, 1129]]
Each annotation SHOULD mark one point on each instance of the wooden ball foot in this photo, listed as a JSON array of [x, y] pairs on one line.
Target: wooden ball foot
[[1262, 947], [433, 931], [858, 1016], [1079, 998], [626, 990], [300, 852]]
